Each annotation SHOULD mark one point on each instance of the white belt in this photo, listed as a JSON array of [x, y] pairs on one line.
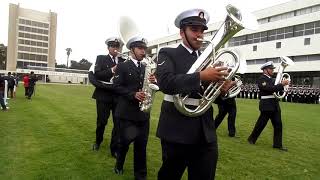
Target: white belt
[[105, 82], [188, 101], [267, 97]]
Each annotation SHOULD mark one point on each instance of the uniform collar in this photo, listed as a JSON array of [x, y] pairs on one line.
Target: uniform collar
[[115, 58], [135, 61], [189, 50], [267, 75]]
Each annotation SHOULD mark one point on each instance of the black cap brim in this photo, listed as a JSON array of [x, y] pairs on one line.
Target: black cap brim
[[194, 21], [269, 67], [138, 44]]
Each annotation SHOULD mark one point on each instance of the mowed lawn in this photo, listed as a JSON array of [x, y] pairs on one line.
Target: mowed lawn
[[50, 137]]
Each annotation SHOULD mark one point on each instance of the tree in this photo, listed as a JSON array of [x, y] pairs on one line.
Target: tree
[[3, 56], [85, 64], [69, 50], [82, 64], [60, 66], [74, 64]]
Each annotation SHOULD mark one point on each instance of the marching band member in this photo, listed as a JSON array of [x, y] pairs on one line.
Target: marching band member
[[187, 142], [227, 106], [106, 99], [134, 123], [269, 107]]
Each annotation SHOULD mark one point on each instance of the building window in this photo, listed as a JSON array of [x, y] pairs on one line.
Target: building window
[[249, 38], [272, 35], [298, 30], [306, 41], [289, 32], [19, 64], [256, 38], [278, 45], [254, 48], [264, 36], [314, 57], [261, 61], [309, 28]]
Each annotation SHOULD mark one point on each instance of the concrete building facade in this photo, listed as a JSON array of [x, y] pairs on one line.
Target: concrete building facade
[[31, 38]]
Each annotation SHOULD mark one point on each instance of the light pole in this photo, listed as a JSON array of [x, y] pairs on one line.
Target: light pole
[[69, 50]]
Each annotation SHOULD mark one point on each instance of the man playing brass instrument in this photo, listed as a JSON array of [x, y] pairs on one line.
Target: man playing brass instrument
[[106, 99], [187, 142], [134, 123], [269, 107]]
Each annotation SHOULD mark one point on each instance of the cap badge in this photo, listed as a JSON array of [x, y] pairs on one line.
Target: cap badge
[[201, 15], [264, 84]]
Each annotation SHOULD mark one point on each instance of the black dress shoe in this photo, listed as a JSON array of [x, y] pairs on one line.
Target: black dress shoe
[[114, 155], [95, 147], [118, 171], [281, 148], [251, 141]]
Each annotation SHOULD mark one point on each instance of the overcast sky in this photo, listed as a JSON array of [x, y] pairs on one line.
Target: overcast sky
[[85, 25]]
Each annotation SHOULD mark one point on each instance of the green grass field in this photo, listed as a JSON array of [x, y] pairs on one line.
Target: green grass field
[[50, 137]]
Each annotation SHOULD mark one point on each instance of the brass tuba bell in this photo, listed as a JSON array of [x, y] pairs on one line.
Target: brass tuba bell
[[285, 62]]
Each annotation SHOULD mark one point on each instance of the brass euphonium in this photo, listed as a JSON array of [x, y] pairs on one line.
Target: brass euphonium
[[285, 61], [235, 90], [234, 22], [148, 88]]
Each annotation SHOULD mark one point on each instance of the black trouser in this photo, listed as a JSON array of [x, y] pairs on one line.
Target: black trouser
[[10, 91], [231, 109], [200, 159], [26, 90], [103, 113], [30, 91], [289, 98], [275, 117], [136, 132]]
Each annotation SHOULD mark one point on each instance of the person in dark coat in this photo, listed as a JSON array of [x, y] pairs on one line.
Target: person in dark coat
[[32, 83], [134, 123], [269, 107], [11, 84], [187, 142], [106, 99]]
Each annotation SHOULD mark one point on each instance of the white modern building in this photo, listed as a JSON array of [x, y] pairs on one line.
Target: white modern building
[[290, 29], [32, 46], [31, 38]]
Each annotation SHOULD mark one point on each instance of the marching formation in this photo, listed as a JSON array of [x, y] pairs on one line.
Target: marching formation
[[191, 81], [296, 93]]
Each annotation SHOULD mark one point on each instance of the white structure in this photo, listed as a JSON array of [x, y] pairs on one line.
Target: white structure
[[290, 29], [58, 75]]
